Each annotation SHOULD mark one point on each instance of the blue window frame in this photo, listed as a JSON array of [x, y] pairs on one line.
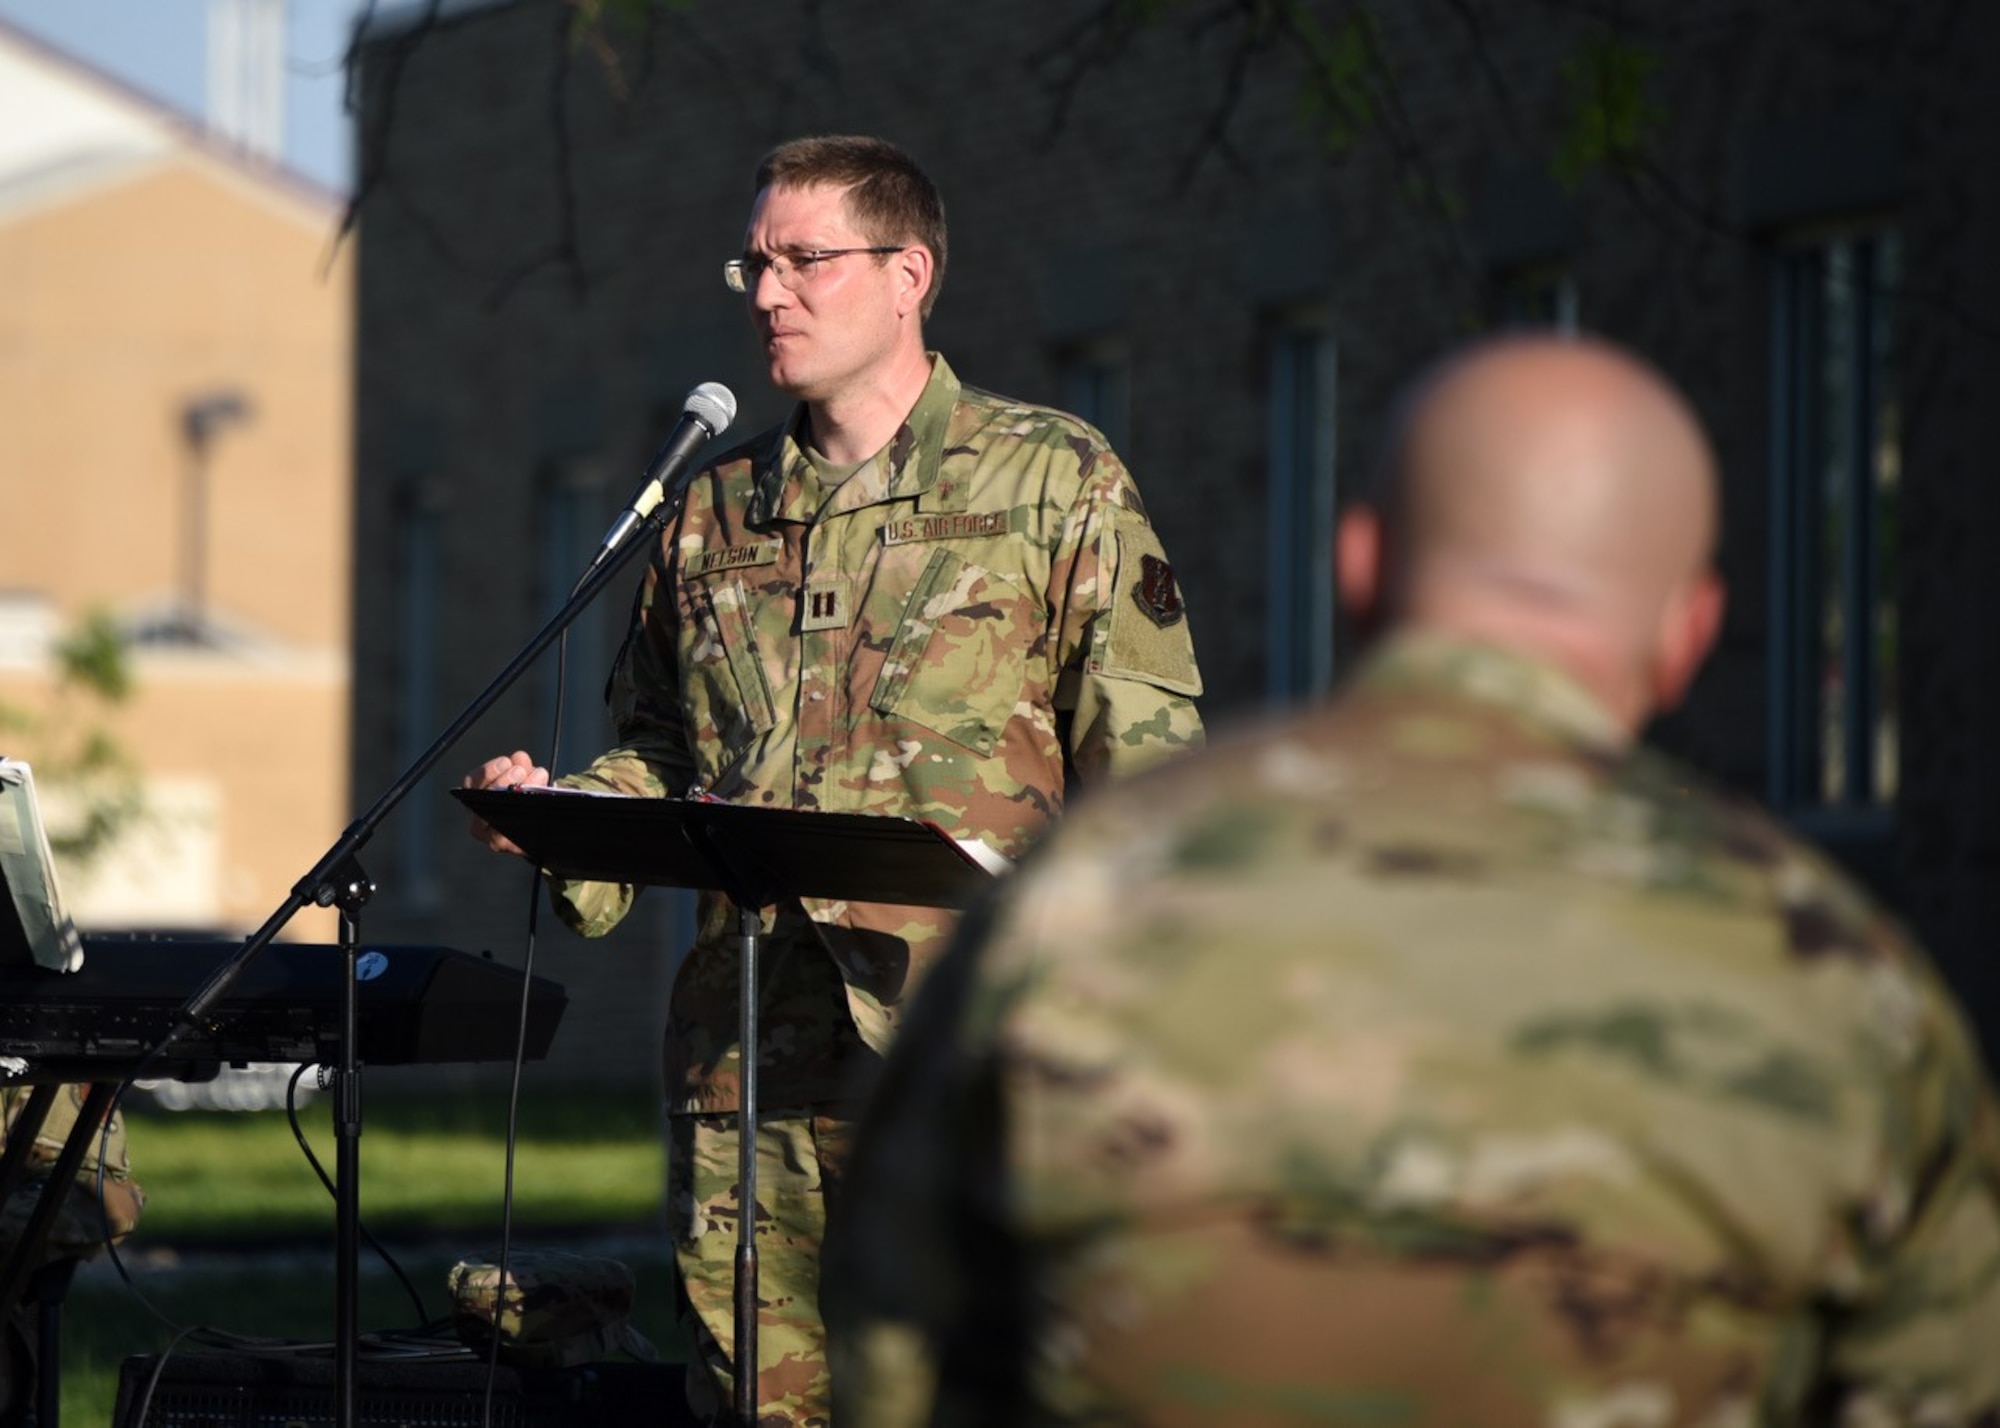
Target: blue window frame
[[1096, 384], [574, 512], [419, 565], [1299, 650], [1836, 478]]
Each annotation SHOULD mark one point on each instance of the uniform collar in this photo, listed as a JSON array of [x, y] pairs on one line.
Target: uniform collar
[[901, 470], [1531, 690]]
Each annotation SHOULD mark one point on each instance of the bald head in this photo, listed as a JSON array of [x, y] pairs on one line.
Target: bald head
[[1556, 496]]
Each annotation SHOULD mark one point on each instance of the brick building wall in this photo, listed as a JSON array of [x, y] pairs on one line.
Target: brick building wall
[[1102, 223], [145, 271]]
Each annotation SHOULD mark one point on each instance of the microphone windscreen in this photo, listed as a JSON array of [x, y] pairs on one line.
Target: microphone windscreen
[[713, 405]]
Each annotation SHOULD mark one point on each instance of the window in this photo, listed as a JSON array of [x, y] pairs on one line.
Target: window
[[419, 564], [1836, 474], [28, 629], [1299, 652], [1096, 384], [573, 517]]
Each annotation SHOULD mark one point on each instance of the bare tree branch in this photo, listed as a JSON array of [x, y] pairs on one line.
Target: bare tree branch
[[1349, 77], [372, 156], [1214, 136], [1097, 40], [565, 250], [376, 175], [1347, 74], [1482, 55], [1409, 152]]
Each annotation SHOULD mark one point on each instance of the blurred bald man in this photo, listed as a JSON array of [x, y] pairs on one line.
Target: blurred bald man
[[1442, 1056]]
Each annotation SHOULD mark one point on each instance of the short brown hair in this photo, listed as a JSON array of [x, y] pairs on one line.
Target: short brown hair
[[892, 200]]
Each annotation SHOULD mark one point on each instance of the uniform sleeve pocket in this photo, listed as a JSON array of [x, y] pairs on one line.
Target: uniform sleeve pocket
[[728, 699], [958, 661]]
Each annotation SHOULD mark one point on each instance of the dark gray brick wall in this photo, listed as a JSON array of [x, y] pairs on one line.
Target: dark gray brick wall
[[475, 359]]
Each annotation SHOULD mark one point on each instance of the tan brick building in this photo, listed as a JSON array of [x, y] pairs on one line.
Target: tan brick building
[[175, 418], [1802, 238]]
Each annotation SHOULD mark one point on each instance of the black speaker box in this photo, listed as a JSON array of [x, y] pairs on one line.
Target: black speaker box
[[238, 1390]]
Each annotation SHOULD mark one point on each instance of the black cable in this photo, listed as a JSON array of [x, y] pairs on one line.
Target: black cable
[[153, 1379], [513, 1122], [299, 1134], [521, 1049], [210, 1335], [104, 1217]]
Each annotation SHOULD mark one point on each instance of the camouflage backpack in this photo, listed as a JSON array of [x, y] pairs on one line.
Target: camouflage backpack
[[559, 1308]]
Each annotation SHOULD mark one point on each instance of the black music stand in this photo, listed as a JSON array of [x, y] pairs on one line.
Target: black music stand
[[726, 847], [755, 857]]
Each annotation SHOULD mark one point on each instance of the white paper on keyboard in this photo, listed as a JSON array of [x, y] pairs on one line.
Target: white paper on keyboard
[[29, 869]]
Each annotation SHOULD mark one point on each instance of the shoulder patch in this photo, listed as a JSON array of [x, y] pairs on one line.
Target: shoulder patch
[[1145, 618], [1157, 593]]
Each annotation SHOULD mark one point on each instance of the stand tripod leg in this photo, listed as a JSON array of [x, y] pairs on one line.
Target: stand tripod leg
[[350, 895], [347, 1210], [750, 921]]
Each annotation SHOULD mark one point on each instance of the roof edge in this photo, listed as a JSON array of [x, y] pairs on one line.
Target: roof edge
[[186, 128]]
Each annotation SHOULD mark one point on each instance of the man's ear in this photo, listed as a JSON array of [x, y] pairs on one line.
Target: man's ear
[[917, 270], [1357, 563], [1689, 627]]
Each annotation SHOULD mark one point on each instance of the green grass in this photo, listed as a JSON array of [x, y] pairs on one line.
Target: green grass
[[220, 1183], [426, 1164]]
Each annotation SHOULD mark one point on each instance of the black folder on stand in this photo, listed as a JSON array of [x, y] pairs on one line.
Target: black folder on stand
[[756, 855]]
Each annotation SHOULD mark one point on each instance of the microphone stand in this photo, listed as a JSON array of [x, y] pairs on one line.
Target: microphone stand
[[750, 890], [337, 880]]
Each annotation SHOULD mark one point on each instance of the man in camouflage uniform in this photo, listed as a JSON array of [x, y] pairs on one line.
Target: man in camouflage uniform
[[1441, 1057], [96, 1208], [913, 598]]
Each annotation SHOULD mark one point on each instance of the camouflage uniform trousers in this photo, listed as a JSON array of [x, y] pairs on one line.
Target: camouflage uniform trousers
[[801, 1163]]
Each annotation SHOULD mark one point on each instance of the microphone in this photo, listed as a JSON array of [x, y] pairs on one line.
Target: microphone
[[706, 414]]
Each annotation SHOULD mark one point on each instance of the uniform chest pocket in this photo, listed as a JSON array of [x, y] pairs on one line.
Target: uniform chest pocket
[[958, 662], [725, 696]]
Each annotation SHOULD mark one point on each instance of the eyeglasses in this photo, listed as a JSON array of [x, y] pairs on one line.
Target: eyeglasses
[[792, 270]]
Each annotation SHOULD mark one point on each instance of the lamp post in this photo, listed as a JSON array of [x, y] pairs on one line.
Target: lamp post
[[202, 418]]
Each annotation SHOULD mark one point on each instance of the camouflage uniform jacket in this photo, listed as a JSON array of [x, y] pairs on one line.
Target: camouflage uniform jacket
[[1433, 1059], [104, 1202], [974, 612]]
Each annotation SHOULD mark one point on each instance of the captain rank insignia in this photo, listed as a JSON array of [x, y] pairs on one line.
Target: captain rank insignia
[[824, 604]]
